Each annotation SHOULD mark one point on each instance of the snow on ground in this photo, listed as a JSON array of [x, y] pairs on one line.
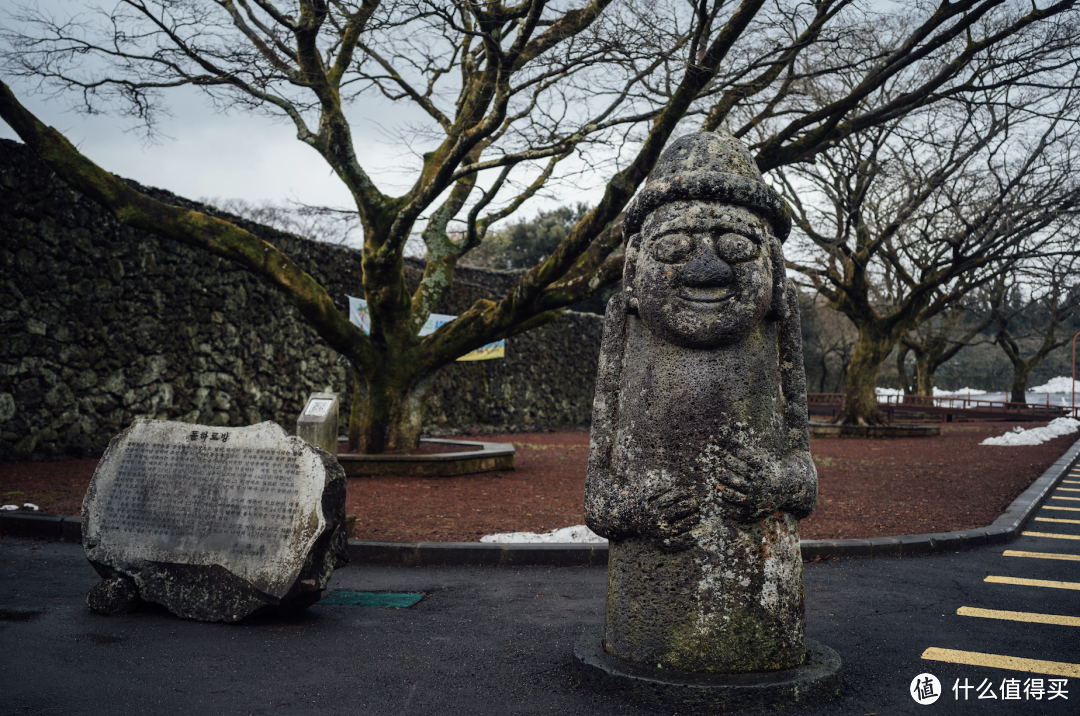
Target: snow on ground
[[577, 533], [962, 391], [937, 391], [1036, 436], [1061, 384]]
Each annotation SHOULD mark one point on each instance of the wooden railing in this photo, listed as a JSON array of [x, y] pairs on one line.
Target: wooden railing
[[948, 407]]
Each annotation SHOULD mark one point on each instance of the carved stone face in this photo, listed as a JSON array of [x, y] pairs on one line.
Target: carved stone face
[[704, 277]]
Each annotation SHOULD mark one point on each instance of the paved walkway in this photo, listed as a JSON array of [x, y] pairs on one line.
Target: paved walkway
[[1001, 620]]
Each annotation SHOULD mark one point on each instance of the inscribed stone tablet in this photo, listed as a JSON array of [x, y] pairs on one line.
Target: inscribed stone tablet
[[249, 502]]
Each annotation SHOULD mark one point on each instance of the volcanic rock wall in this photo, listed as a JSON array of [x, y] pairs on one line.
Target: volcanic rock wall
[[101, 324]]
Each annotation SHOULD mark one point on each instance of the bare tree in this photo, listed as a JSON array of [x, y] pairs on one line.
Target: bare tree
[[315, 223], [1029, 309], [903, 221], [507, 94], [937, 341], [828, 340]]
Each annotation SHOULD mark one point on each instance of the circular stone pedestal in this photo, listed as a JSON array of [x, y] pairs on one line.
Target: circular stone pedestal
[[817, 679]]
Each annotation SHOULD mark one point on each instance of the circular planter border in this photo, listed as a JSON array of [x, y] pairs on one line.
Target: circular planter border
[[488, 457]]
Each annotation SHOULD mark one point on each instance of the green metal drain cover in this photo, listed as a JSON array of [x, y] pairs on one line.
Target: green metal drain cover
[[382, 600]]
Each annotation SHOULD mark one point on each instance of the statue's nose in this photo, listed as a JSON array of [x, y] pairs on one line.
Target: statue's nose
[[706, 268]]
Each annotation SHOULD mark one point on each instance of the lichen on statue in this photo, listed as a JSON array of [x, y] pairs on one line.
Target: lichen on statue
[[699, 465]]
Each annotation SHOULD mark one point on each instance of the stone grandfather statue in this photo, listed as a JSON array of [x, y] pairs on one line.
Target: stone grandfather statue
[[699, 466]]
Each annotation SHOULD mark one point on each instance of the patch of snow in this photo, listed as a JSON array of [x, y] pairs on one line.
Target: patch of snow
[[31, 505], [9, 507], [577, 533], [1061, 384], [887, 391], [1035, 436], [962, 391]]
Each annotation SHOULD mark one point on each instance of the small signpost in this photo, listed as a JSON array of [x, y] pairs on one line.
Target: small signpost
[[318, 422]]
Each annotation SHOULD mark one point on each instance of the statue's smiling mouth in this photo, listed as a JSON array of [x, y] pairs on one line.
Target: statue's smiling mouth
[[706, 295]]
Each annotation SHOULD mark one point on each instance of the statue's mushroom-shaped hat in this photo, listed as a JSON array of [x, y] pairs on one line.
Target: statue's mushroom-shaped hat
[[708, 166]]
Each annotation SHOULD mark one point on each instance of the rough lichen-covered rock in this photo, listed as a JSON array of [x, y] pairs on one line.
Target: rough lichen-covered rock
[[699, 468], [214, 524]]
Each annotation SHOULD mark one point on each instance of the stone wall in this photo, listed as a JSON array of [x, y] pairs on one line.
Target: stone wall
[[101, 324]]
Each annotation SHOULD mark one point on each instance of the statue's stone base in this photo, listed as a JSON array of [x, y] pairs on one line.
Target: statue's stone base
[[817, 679]]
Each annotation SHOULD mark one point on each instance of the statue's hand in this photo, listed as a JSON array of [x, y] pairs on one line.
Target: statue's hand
[[671, 515], [752, 482], [800, 493], [757, 485], [616, 509]]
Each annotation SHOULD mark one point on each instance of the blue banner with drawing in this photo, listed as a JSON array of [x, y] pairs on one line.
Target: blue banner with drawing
[[359, 316]]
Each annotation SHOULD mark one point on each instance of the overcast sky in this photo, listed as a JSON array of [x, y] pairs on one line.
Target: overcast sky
[[204, 153]]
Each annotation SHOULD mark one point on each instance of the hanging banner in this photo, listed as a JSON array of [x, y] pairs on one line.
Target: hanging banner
[[359, 316]]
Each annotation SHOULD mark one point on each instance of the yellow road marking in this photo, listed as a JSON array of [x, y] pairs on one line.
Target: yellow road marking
[[1051, 519], [1071, 482], [1041, 555], [1019, 616], [1069, 489], [1055, 497], [974, 658], [1053, 535], [1032, 582], [1070, 509]]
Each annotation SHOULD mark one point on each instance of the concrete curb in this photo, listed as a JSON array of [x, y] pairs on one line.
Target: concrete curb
[[1004, 529]]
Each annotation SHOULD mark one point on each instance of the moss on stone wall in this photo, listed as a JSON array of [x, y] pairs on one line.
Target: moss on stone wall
[[102, 324]]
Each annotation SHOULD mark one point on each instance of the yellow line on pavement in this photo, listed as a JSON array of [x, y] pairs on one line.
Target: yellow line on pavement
[[1053, 507], [1052, 535], [1041, 555], [1058, 497], [1051, 519], [1019, 616], [1032, 582], [1071, 482], [974, 658]]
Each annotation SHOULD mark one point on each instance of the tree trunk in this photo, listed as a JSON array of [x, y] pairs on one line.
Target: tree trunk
[[387, 411], [860, 400], [1022, 371], [924, 375], [901, 368]]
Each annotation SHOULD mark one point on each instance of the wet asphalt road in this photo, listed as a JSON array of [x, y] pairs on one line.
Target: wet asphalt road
[[498, 640]]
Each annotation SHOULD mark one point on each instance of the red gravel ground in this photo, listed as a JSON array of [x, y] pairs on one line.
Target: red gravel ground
[[868, 488]]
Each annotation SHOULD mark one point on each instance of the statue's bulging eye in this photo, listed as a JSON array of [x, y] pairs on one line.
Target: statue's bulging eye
[[673, 248], [735, 249]]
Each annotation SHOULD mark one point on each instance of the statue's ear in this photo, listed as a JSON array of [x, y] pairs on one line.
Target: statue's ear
[[629, 274], [778, 309]]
